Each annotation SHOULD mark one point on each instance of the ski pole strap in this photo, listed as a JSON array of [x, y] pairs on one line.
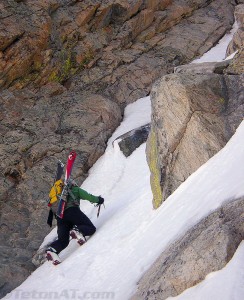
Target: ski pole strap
[[70, 193]]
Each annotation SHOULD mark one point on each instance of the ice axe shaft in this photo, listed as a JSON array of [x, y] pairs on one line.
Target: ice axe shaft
[[99, 208]]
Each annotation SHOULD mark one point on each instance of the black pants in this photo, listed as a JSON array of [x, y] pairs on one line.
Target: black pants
[[72, 216]]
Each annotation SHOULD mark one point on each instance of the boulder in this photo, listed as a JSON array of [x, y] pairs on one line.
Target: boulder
[[205, 248], [193, 116], [236, 66], [203, 68], [131, 140]]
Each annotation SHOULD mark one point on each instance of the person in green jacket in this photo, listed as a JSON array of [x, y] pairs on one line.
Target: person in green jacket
[[73, 218]]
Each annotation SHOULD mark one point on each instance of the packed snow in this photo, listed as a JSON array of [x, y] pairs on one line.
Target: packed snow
[[114, 259], [131, 234]]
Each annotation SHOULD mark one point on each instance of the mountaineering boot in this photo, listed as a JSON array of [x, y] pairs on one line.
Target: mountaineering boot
[[76, 235], [51, 255]]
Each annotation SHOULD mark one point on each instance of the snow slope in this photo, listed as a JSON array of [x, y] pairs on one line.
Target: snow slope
[[130, 234], [116, 256]]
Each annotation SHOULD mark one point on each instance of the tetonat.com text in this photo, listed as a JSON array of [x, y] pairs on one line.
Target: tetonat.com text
[[62, 295]]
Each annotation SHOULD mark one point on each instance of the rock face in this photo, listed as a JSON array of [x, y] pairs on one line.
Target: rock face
[[206, 248], [237, 41], [193, 116], [65, 37], [237, 64], [67, 69]]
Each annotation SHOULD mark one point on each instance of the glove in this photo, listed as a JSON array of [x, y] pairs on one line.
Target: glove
[[100, 200]]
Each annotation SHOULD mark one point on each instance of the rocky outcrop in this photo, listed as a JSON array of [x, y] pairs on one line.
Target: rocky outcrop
[[206, 248], [233, 66], [237, 41], [67, 69], [237, 64], [159, 48], [63, 38], [193, 116], [131, 140], [203, 68], [194, 113]]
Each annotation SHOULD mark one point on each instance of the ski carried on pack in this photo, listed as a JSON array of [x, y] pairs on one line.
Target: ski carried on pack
[[62, 198], [51, 254], [59, 173], [60, 170]]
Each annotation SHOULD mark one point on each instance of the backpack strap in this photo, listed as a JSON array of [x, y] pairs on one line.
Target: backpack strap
[[71, 183], [70, 193]]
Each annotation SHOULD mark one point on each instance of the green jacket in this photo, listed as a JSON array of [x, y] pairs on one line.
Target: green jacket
[[79, 194]]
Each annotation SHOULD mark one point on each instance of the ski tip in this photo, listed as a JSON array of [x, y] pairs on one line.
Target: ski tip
[[72, 155], [60, 163]]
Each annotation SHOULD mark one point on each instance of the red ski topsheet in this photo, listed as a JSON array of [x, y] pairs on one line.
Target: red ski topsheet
[[69, 166]]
